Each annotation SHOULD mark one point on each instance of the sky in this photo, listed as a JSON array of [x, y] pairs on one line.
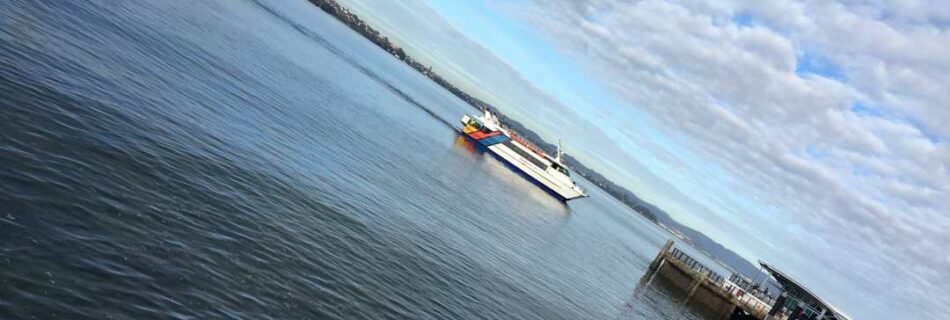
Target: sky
[[808, 134]]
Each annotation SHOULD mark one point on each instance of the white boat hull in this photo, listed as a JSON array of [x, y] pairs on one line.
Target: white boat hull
[[565, 192]]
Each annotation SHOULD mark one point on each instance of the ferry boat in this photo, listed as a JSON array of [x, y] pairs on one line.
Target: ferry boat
[[545, 170]]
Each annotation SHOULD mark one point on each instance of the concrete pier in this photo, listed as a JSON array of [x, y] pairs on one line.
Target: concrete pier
[[701, 287]]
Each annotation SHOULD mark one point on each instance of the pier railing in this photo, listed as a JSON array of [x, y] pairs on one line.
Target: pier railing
[[697, 266], [750, 300], [741, 282]]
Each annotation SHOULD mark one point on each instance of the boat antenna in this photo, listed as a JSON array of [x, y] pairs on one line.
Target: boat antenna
[[559, 151]]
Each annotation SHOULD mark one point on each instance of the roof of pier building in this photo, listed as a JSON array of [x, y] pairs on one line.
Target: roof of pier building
[[798, 291]]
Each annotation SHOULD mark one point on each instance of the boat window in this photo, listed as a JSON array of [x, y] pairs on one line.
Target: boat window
[[525, 154]]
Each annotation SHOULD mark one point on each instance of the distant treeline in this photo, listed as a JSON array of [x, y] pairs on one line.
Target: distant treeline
[[622, 194], [358, 25]]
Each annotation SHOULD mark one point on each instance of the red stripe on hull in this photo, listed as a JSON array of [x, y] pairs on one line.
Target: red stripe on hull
[[478, 135]]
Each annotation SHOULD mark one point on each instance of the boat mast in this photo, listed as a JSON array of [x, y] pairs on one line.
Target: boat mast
[[490, 118], [557, 156]]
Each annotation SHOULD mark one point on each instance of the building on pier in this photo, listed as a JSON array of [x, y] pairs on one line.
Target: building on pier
[[799, 302]]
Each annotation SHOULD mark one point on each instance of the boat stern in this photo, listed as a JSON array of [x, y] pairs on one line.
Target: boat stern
[[468, 124]]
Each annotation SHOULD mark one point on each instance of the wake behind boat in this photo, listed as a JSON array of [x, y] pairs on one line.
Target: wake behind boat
[[545, 170]]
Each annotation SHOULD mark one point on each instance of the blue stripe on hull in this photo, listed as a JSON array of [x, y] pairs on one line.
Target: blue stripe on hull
[[490, 141], [478, 145]]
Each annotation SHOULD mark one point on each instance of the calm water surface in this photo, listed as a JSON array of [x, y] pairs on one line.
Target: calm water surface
[[259, 160]]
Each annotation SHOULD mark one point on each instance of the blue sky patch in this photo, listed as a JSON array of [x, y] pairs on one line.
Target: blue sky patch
[[814, 153], [744, 19], [866, 110], [930, 135], [812, 62]]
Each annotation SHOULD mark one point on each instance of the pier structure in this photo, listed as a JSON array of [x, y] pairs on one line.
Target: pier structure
[[703, 287], [737, 297]]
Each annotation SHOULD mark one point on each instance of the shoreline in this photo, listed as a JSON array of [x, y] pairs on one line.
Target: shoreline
[[354, 22]]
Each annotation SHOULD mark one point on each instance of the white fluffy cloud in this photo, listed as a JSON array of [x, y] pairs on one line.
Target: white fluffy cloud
[[833, 112]]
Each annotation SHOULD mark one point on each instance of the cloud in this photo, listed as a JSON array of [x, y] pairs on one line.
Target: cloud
[[832, 114]]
